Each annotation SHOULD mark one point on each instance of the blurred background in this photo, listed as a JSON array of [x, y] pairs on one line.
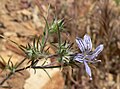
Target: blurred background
[[20, 19]]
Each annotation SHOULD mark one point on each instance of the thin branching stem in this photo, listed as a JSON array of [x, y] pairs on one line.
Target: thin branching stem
[[42, 67], [8, 76], [20, 63], [47, 25], [11, 73]]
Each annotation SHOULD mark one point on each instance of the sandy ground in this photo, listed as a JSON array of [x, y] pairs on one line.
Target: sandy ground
[[19, 21]]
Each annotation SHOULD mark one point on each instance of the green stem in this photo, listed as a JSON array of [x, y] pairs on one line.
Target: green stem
[[59, 37], [59, 42]]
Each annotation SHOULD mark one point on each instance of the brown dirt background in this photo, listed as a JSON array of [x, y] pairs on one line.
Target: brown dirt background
[[20, 20]]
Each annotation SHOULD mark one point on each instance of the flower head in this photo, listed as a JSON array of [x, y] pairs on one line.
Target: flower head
[[87, 55]]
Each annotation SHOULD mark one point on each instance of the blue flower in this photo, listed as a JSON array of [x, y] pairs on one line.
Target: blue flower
[[87, 55]]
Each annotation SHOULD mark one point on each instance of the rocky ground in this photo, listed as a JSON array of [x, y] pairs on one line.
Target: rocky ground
[[20, 20]]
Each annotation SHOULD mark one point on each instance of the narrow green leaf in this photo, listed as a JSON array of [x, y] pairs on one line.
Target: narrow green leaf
[[47, 74]]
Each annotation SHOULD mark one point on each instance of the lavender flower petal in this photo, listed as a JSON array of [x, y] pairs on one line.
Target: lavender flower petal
[[87, 56], [88, 43], [97, 51], [88, 70], [79, 57], [81, 44], [90, 57]]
